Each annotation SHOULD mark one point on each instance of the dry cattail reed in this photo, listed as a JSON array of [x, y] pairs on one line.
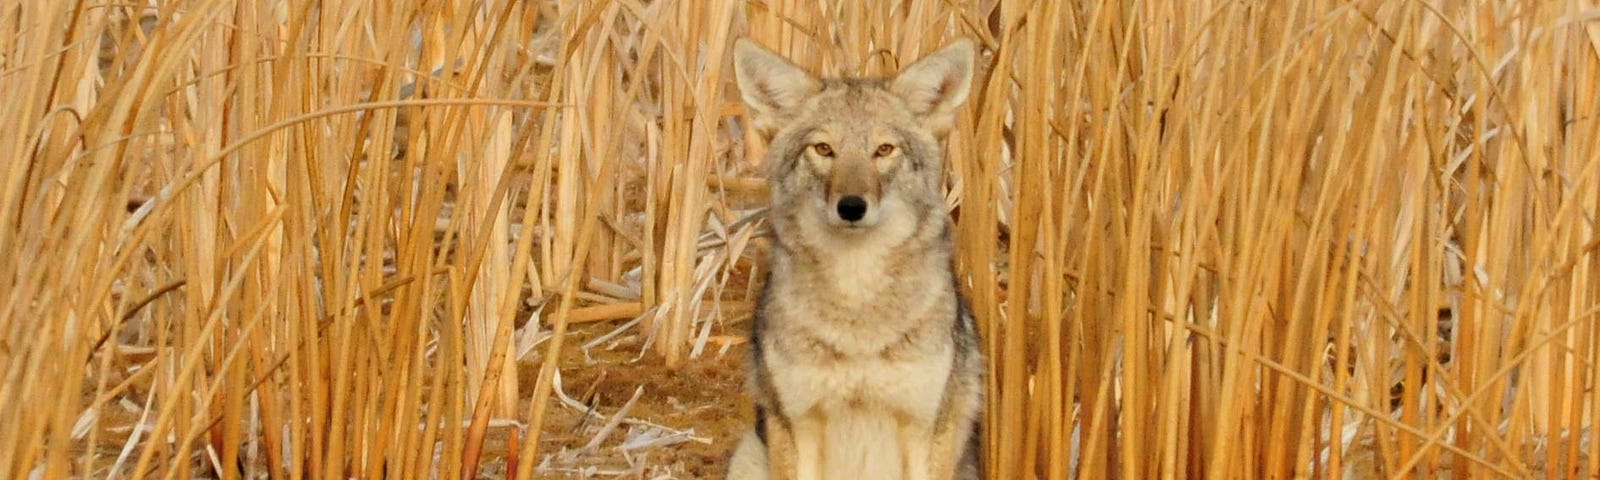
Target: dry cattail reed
[[1204, 239]]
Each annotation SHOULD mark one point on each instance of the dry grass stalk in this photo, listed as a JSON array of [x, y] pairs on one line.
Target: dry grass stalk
[[1205, 239]]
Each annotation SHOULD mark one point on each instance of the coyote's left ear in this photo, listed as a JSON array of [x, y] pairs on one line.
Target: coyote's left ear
[[769, 84], [935, 86]]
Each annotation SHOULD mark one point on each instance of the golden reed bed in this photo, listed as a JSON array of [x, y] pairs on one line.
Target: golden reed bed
[[1209, 239]]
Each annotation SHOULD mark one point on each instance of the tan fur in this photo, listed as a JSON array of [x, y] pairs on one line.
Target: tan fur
[[864, 360], [853, 177]]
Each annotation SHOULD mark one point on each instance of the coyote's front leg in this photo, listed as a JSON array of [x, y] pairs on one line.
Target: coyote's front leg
[[781, 451], [953, 431], [916, 448], [794, 448], [808, 447]]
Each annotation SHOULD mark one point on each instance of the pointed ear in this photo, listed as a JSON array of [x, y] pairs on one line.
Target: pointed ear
[[769, 83], [937, 85]]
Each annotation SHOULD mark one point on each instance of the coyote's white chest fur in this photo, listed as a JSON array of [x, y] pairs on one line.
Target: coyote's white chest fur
[[863, 362], [859, 384], [860, 404], [875, 364]]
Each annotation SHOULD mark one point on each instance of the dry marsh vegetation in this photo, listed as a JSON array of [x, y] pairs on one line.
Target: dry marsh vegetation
[[1210, 239]]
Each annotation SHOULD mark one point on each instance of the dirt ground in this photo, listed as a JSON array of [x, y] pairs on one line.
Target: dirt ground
[[703, 401]]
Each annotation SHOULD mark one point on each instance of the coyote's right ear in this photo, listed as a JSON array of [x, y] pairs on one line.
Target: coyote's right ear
[[769, 84], [936, 86]]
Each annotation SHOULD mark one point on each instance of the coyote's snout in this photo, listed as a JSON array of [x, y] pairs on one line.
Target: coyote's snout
[[851, 174], [864, 360], [852, 188]]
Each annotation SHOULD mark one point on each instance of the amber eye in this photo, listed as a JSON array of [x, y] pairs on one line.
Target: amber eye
[[884, 150], [822, 149]]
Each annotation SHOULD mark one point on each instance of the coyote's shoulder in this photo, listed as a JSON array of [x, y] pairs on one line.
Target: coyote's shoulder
[[864, 360]]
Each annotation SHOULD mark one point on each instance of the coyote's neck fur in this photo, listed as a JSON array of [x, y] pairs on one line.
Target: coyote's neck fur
[[878, 286], [858, 269]]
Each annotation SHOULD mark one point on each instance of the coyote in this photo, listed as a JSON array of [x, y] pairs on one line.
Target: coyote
[[864, 360]]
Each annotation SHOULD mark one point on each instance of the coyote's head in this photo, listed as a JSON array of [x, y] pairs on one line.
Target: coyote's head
[[852, 156]]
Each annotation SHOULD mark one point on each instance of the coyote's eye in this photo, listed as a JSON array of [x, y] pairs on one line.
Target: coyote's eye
[[822, 149], [884, 150]]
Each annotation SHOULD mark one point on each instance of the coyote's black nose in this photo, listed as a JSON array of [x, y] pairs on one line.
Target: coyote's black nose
[[852, 208]]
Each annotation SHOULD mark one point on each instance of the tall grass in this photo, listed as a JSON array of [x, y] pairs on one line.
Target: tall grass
[[1204, 239]]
